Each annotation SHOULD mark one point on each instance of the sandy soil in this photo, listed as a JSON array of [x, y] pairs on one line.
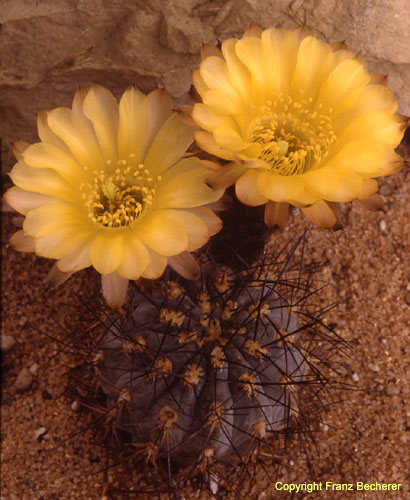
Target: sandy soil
[[48, 453]]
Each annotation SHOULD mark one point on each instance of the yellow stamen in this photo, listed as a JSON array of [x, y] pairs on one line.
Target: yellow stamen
[[293, 136]]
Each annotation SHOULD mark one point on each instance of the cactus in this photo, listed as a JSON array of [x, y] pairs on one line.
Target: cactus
[[206, 372]]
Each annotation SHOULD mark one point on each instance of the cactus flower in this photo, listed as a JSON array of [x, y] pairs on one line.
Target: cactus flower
[[108, 186], [301, 121]]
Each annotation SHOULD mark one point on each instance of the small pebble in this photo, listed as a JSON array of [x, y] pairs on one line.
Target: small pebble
[[7, 342], [407, 298], [34, 369], [75, 406], [24, 380], [373, 367], [392, 390], [38, 433], [383, 225], [23, 321], [355, 377]]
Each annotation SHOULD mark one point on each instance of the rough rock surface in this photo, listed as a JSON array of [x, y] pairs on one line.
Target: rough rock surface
[[49, 48]]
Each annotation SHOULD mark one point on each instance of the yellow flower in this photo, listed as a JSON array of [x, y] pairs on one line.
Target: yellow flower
[[302, 121], [108, 187]]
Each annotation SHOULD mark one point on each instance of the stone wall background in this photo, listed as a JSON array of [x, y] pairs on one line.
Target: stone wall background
[[50, 47]]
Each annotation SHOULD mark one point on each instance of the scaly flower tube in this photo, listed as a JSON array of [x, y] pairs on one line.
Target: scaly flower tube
[[302, 122], [108, 186]]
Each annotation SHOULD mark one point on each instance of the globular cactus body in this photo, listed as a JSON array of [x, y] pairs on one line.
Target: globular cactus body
[[204, 369]]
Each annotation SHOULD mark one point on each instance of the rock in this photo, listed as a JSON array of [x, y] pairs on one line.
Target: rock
[[50, 48], [392, 389], [39, 433], [24, 380], [34, 369], [7, 342], [23, 321]]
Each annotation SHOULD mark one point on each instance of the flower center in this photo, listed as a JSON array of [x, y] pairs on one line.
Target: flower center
[[118, 199], [293, 136]]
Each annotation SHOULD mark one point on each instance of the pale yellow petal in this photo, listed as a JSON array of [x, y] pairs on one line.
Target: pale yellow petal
[[253, 30], [186, 190], [77, 106], [56, 277], [24, 201], [221, 102], [320, 214], [237, 72], [322, 181], [196, 229], [135, 258], [243, 160], [209, 119], [212, 221], [171, 142], [107, 250], [313, 65], [304, 198], [280, 49], [208, 50], [247, 190], [77, 136], [183, 166], [249, 52], [342, 55], [369, 188], [78, 259], [185, 265], [214, 74], [43, 181], [114, 289], [133, 124], [60, 242], [22, 242], [156, 266], [199, 84], [163, 235], [362, 157], [392, 162], [206, 141], [345, 78], [368, 99], [44, 155], [382, 127], [160, 109], [280, 187], [227, 138], [46, 135], [350, 185], [50, 217], [225, 176], [276, 214], [101, 108]]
